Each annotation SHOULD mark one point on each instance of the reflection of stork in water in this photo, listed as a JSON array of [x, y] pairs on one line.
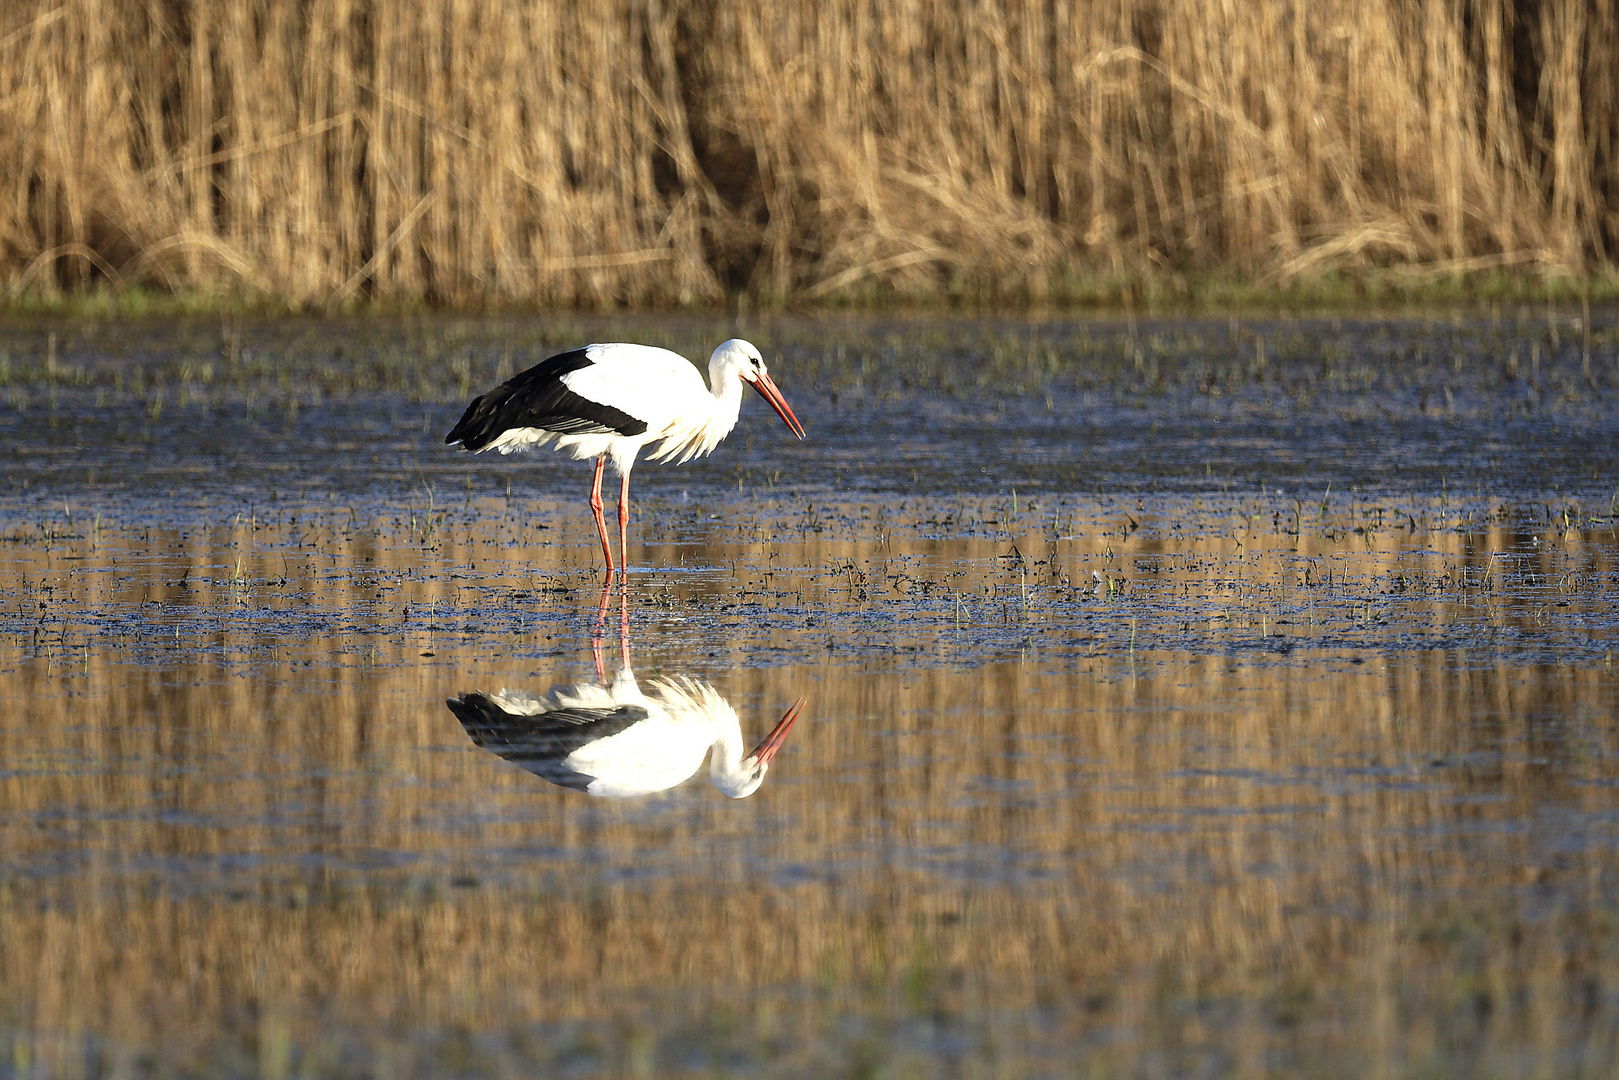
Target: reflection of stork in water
[[618, 740]]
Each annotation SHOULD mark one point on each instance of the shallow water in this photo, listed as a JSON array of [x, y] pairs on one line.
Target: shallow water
[[1171, 710]]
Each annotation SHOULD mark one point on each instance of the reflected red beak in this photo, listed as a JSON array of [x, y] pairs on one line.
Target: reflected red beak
[[767, 390], [778, 734]]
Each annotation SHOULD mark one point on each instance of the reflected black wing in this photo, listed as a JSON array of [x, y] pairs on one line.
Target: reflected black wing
[[537, 398], [541, 743]]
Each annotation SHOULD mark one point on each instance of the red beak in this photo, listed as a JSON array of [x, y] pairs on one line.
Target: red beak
[[768, 391], [778, 734]]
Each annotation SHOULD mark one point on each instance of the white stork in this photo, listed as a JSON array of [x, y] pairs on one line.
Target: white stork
[[618, 742], [608, 401]]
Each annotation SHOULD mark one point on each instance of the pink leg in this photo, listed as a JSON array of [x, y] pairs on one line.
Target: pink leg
[[596, 509], [624, 520]]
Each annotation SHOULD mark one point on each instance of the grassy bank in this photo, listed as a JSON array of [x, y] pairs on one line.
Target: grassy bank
[[1380, 293], [452, 153]]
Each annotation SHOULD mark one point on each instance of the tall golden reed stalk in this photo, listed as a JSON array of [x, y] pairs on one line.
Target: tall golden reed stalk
[[668, 151]]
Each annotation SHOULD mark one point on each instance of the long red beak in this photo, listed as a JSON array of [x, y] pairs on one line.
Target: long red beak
[[767, 390], [778, 734]]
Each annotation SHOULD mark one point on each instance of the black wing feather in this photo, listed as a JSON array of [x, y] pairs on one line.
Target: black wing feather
[[542, 742], [537, 398]]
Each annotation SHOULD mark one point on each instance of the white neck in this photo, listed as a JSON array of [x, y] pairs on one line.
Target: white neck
[[699, 707], [727, 391], [729, 770], [698, 435]]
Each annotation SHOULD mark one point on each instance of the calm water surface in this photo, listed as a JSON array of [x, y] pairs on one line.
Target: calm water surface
[[1182, 699]]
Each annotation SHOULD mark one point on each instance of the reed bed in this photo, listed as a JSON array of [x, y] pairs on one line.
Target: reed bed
[[674, 152]]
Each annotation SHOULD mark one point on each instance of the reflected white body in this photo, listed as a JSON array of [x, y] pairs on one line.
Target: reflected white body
[[650, 741]]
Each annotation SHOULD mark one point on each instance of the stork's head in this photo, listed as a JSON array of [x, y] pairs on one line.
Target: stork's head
[[740, 358], [743, 779]]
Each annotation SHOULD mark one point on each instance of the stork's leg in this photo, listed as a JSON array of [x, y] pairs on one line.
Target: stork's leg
[[624, 519], [596, 509]]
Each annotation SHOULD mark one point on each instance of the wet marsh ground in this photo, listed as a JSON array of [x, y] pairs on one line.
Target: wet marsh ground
[[1186, 698]]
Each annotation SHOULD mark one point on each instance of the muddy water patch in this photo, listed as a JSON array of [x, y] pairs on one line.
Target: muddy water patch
[[1506, 399]]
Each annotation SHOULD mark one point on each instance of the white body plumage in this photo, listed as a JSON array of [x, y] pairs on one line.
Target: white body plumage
[[659, 387], [610, 401]]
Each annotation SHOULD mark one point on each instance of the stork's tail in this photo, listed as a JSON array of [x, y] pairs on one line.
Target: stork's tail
[[476, 429]]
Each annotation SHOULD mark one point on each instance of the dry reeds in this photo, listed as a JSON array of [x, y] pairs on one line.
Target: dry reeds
[[452, 151]]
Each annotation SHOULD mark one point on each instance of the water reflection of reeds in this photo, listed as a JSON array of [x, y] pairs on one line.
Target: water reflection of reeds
[[282, 851]]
